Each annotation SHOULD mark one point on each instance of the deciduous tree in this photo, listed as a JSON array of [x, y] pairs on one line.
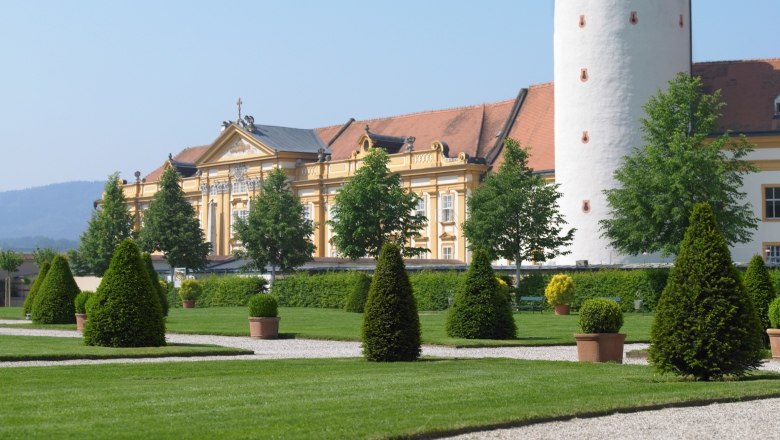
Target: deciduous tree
[[9, 262]]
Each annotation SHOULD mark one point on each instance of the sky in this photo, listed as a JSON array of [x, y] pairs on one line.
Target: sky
[[92, 87]]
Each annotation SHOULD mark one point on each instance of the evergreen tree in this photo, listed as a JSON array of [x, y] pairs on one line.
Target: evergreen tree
[[759, 287], [9, 262], [514, 214], [372, 208], [53, 302], [391, 326], [156, 283], [111, 223], [680, 166], [125, 310], [36, 285], [276, 231], [170, 226], [356, 301], [480, 309], [705, 324]]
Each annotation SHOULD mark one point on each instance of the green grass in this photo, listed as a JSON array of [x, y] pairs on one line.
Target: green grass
[[322, 399], [332, 324], [27, 348], [11, 313]]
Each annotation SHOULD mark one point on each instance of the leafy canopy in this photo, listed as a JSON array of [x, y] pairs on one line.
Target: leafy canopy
[[170, 226], [515, 215], [373, 208], [276, 231], [678, 167], [111, 223], [45, 255]]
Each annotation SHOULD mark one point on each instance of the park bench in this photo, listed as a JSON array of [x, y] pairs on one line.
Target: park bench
[[532, 303]]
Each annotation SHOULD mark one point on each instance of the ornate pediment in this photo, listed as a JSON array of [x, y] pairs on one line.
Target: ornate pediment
[[239, 148], [233, 145]]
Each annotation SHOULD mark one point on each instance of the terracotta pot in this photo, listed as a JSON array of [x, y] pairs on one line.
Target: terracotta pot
[[774, 342], [80, 318], [600, 347], [263, 328], [562, 309], [188, 303]]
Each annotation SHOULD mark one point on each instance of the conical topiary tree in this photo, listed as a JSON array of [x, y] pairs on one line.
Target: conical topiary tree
[[125, 310], [760, 289], [480, 309], [356, 301], [705, 324], [162, 293], [391, 326], [53, 302], [36, 285]]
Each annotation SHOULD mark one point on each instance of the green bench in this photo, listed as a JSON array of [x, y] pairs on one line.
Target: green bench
[[532, 303]]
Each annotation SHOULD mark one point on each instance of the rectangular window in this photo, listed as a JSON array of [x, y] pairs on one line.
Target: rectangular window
[[420, 209], [240, 213], [306, 211], [771, 202], [446, 252], [239, 186], [773, 256], [447, 213]]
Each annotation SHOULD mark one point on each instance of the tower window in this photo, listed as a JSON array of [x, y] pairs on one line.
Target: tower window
[[583, 75], [586, 206], [633, 19], [582, 21], [585, 137]]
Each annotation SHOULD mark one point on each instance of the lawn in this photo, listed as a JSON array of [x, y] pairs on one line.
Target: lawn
[[26, 348], [341, 398], [533, 328]]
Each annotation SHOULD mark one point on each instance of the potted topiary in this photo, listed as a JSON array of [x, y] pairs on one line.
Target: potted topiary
[[263, 317], [80, 304], [774, 332], [189, 292], [600, 322], [560, 293]]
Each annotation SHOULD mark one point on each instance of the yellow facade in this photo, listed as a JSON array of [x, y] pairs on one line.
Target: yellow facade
[[231, 170]]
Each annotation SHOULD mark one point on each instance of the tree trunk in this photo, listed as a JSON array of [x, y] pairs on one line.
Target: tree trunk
[[517, 272], [173, 289], [273, 274], [8, 289]]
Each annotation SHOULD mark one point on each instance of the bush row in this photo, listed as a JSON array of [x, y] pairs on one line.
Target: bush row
[[228, 291]]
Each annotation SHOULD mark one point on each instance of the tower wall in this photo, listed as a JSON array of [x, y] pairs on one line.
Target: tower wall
[[610, 56]]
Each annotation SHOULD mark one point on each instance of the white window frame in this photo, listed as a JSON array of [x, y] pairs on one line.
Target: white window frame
[[420, 209], [447, 211], [239, 186], [774, 201], [447, 252]]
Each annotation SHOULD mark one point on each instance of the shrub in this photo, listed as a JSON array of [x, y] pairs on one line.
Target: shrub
[[125, 310], [162, 289], [329, 290], [628, 285], [391, 325], [560, 290], [774, 313], [54, 299], [432, 290], [759, 287], [30, 300], [356, 302], [600, 315], [705, 325], [263, 305], [481, 310], [229, 291], [190, 290], [80, 303]]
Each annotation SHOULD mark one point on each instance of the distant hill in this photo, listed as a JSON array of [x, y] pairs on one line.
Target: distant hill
[[48, 216]]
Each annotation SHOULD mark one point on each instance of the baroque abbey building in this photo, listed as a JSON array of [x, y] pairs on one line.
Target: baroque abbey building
[[576, 138]]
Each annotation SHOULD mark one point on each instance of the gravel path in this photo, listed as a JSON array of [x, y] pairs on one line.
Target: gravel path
[[754, 419]]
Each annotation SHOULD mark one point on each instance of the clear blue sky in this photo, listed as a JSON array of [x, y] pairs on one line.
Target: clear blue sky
[[92, 87]]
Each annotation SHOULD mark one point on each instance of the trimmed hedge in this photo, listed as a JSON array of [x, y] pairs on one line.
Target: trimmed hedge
[[263, 305], [229, 291], [329, 290], [36, 285], [53, 303], [600, 315], [433, 289], [356, 302]]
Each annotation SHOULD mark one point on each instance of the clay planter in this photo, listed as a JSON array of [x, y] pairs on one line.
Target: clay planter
[[80, 318], [600, 347], [263, 328], [562, 309], [774, 342], [188, 303]]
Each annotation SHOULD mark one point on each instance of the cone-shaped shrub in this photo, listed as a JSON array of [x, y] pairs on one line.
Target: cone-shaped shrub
[[36, 285], [480, 309], [356, 301], [705, 324], [53, 303], [125, 310], [80, 302], [161, 291], [760, 289], [391, 326]]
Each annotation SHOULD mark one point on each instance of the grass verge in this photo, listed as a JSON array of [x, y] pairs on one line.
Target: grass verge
[[342, 398], [43, 348]]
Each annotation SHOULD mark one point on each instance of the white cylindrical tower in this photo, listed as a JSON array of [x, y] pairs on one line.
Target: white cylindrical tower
[[611, 56]]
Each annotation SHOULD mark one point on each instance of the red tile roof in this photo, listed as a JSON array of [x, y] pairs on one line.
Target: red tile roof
[[748, 87], [189, 154]]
